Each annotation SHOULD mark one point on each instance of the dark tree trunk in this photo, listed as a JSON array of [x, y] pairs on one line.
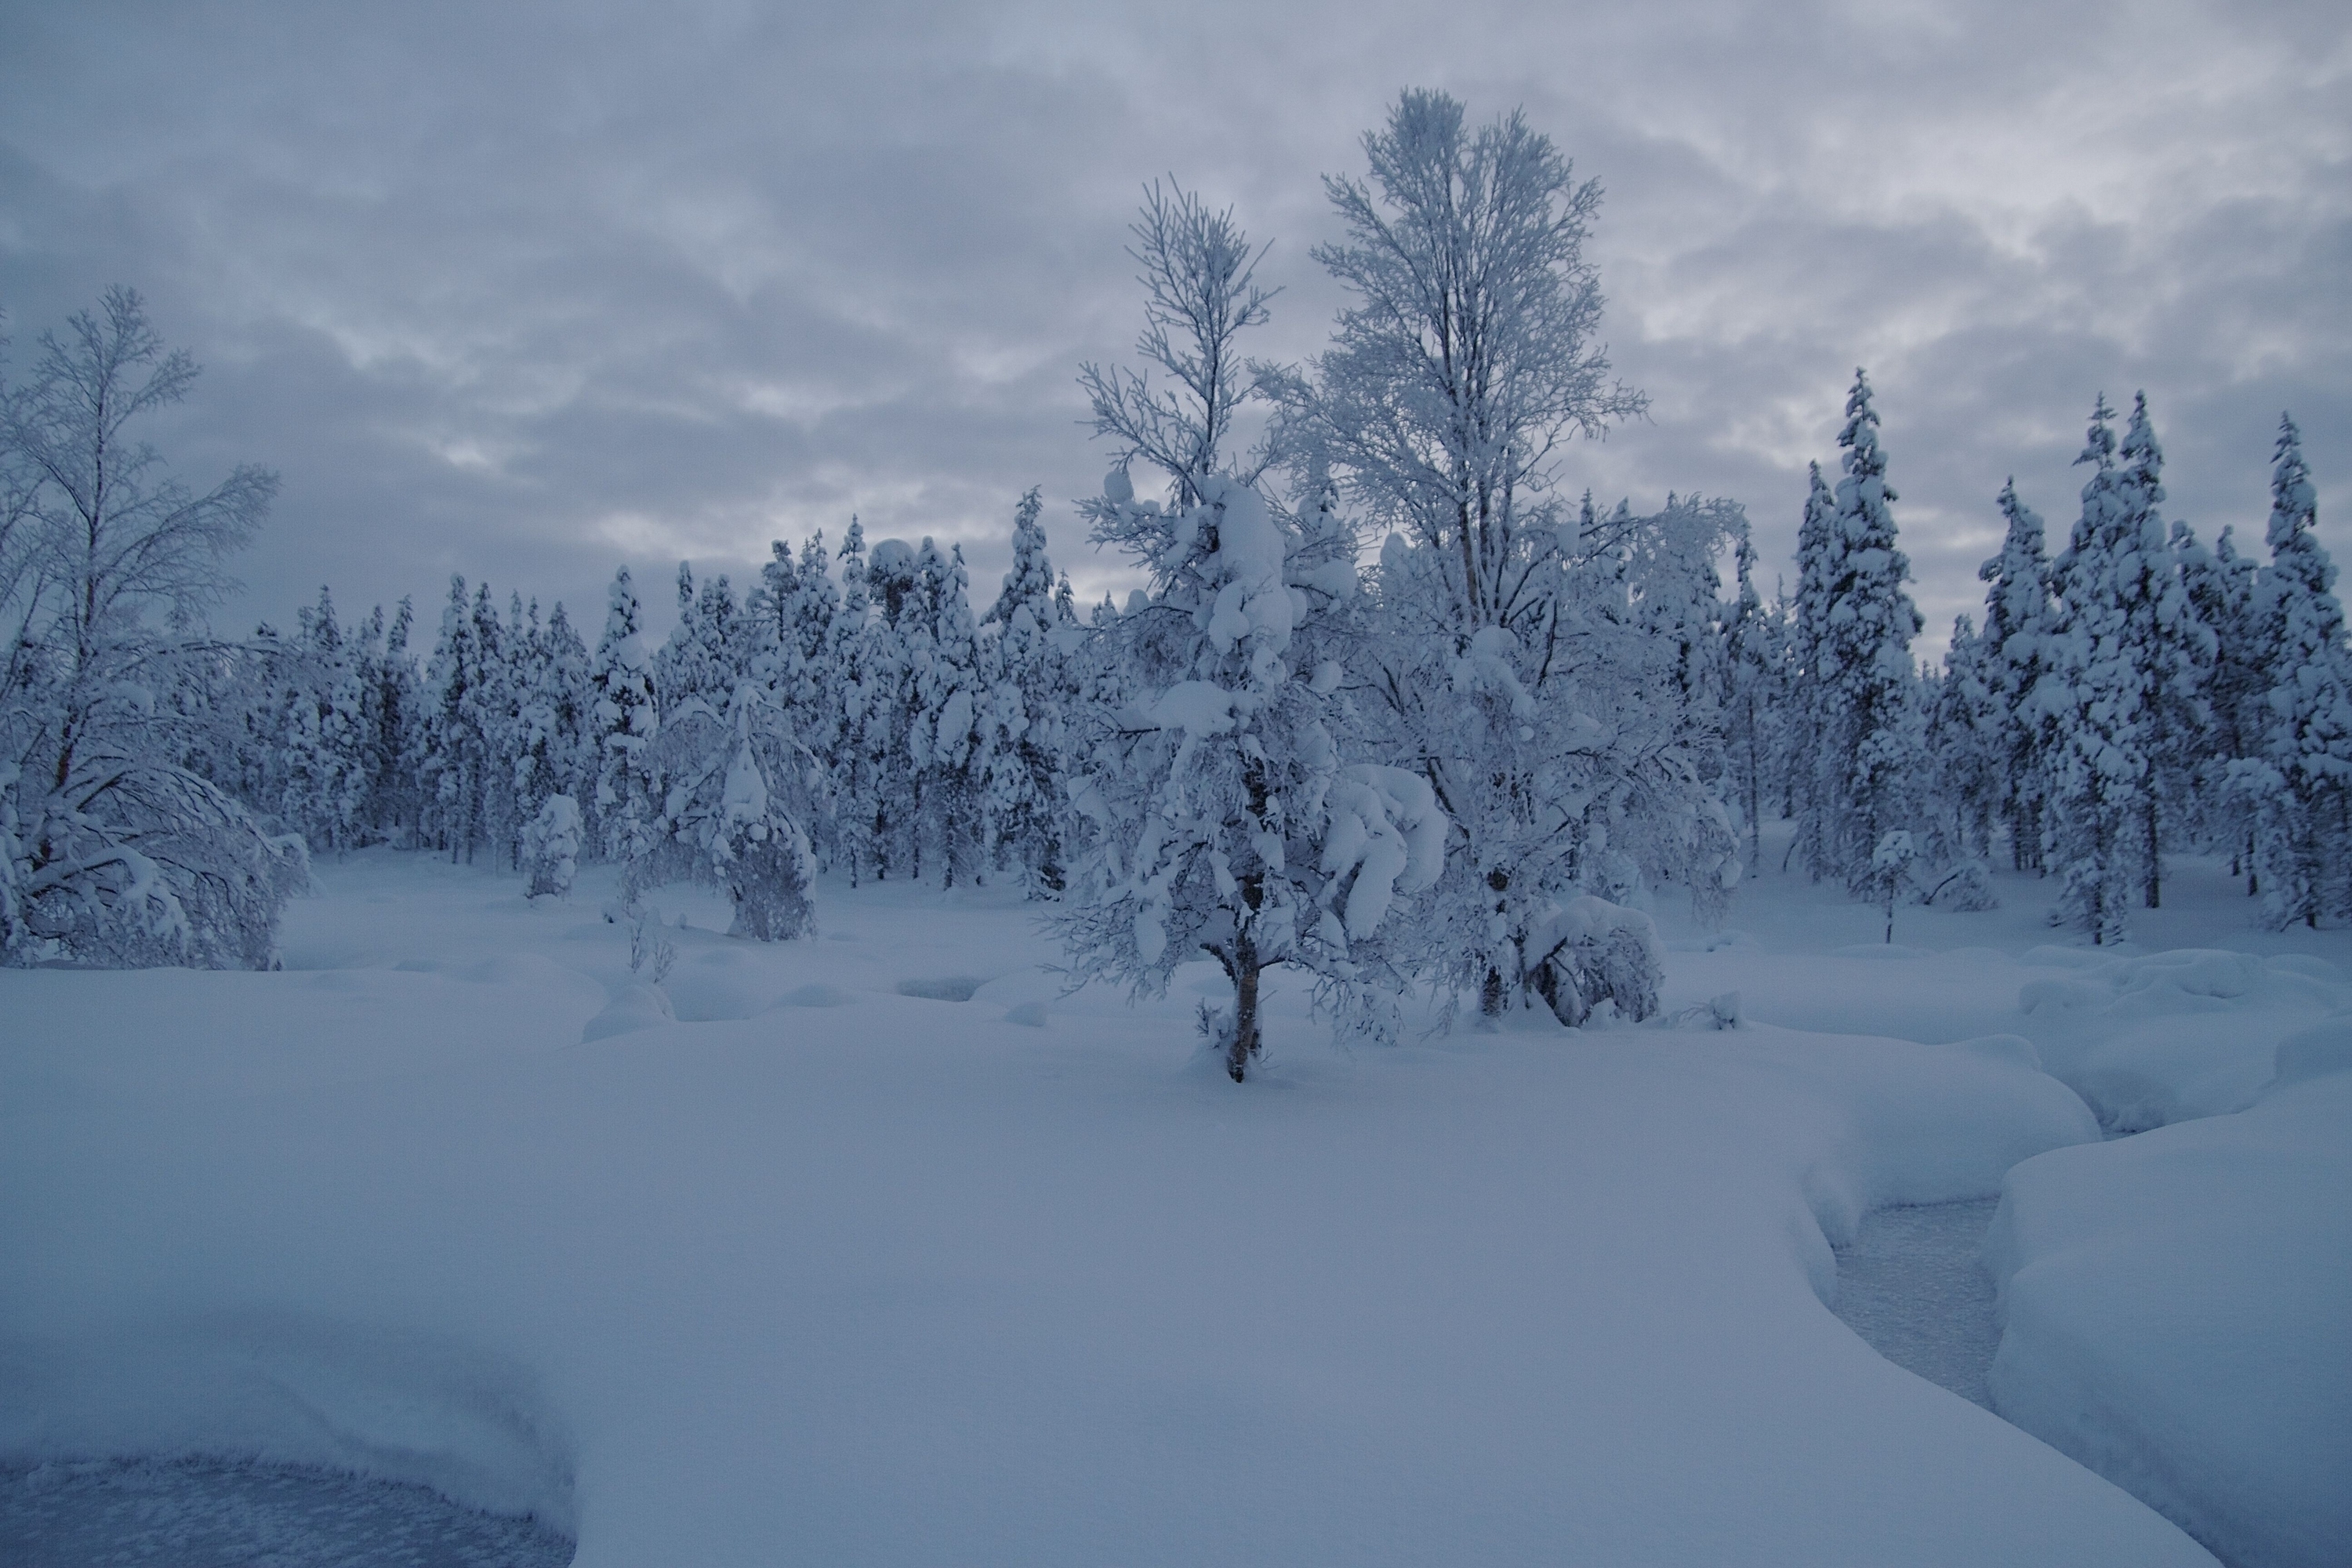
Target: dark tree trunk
[[1242, 1047]]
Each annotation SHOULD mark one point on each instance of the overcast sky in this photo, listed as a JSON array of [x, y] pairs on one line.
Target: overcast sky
[[523, 294]]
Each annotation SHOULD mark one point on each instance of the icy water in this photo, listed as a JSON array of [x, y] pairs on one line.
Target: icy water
[[1912, 1288], [205, 1514]]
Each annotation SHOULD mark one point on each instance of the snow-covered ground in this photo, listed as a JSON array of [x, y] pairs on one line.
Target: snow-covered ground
[[874, 1248]]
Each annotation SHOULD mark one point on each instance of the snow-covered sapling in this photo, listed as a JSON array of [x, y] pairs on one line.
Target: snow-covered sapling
[[550, 847], [1890, 872]]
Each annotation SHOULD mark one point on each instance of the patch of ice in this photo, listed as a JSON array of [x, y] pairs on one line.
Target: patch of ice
[[200, 1513], [944, 987]]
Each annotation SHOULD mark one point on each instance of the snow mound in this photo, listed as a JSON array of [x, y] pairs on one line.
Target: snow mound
[[2174, 1307], [2315, 1053], [816, 994], [2143, 1039], [638, 1007]]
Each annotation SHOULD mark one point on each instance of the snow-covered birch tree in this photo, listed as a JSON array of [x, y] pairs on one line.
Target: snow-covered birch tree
[[117, 853]]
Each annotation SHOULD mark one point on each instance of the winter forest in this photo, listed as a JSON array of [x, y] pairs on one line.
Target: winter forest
[[1413, 738]]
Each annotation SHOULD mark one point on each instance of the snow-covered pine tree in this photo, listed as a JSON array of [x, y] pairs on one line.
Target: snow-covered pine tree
[[2305, 835], [1967, 747], [1031, 693], [2223, 589], [1868, 754], [393, 705], [895, 652], [2124, 629], [1808, 725], [625, 721], [2017, 621], [452, 750], [1754, 651], [861, 732], [945, 739]]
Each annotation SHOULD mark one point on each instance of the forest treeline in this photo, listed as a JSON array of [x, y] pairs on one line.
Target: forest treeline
[[1394, 706]]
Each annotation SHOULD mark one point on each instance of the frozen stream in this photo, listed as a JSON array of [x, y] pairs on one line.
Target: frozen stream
[[1912, 1288], [207, 1514]]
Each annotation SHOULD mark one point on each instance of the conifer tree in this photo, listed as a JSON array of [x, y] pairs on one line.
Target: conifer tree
[[2016, 627], [2124, 629], [1753, 711], [1967, 748], [626, 723], [1031, 697], [945, 737], [2222, 588], [2306, 845], [1808, 724], [1862, 672]]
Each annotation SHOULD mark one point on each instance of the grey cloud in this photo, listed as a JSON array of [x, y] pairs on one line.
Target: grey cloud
[[518, 292]]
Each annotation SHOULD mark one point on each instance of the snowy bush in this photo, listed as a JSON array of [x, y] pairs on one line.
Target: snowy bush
[[732, 816], [1588, 950], [550, 847]]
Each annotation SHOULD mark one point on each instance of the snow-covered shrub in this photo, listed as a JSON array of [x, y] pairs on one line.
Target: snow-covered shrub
[[739, 791], [133, 862], [760, 854], [1587, 952], [1966, 887], [550, 847], [1222, 819]]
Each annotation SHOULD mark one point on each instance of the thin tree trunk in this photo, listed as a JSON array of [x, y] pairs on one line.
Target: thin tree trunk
[[1243, 1046]]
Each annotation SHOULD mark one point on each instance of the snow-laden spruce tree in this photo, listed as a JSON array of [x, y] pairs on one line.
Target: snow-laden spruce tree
[[625, 721], [2223, 590], [860, 664], [1754, 653], [2018, 619], [1808, 726], [1967, 740], [1867, 745], [116, 851], [2304, 843], [2125, 632], [1224, 822], [1031, 691], [945, 738]]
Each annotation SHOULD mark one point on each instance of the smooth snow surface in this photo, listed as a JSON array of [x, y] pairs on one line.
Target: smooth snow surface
[[795, 1256], [2178, 1317], [1913, 1285], [200, 1515]]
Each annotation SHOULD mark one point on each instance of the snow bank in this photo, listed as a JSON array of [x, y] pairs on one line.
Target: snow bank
[[2147, 1039], [2168, 1036], [2175, 1306]]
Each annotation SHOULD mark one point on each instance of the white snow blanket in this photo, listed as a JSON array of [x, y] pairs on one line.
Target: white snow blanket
[[831, 1271], [2178, 1312]]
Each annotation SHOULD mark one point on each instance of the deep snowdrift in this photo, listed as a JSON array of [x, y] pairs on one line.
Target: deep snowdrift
[[847, 1270], [2177, 1306]]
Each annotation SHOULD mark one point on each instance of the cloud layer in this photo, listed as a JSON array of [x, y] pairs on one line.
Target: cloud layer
[[522, 294]]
